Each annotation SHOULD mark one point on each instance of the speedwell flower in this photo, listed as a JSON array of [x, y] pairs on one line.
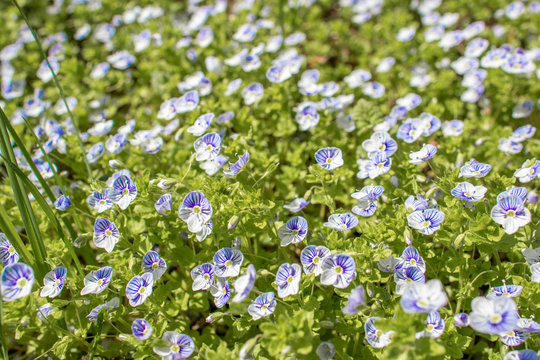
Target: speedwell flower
[[473, 168], [296, 205], [375, 337], [141, 329], [221, 292], [8, 254], [425, 153], [263, 305], [411, 258], [312, 258], [195, 211], [426, 221], [235, 168], [288, 279], [469, 192], [244, 284], [406, 276], [96, 281], [528, 171], [355, 299], [99, 202], [16, 281], [207, 147], [123, 191], [164, 204], [380, 141], [338, 270], [139, 288], [53, 282], [178, 346], [493, 316], [106, 306], [203, 276], [505, 290], [434, 326], [154, 264], [419, 297], [106, 234], [511, 213], [329, 158], [227, 262], [293, 231], [341, 222]]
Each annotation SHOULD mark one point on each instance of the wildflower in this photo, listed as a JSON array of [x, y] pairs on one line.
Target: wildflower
[[514, 337], [141, 329], [107, 306], [312, 258], [296, 205], [412, 204], [493, 316], [329, 158], [187, 103], [528, 171], [375, 337], [203, 276], [378, 164], [307, 117], [202, 124], [434, 326], [235, 168], [244, 284], [62, 203], [357, 78], [424, 154], [461, 320], [106, 234], [469, 192], [341, 222], [511, 213], [263, 305], [207, 147], [195, 211], [505, 290], [355, 299], [8, 254], [53, 282], [521, 355], [205, 231], [420, 297], [294, 231], [178, 346], [380, 141], [139, 288], [326, 350], [164, 204], [523, 133], [509, 146], [44, 311], [388, 264], [96, 281], [410, 130], [99, 202], [227, 262], [426, 221], [405, 276], [16, 281], [288, 279], [221, 292], [252, 93], [123, 191], [154, 264], [212, 166], [338, 270], [411, 258], [452, 128]]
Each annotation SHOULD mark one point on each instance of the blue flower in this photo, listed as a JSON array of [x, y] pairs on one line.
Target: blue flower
[[425, 153], [365, 208], [514, 337], [376, 337], [329, 158], [378, 164], [116, 143], [95, 153], [235, 168], [296, 205], [202, 124], [307, 117], [164, 204], [288, 279], [406, 276], [461, 319], [53, 282], [326, 350], [263, 305], [107, 306], [244, 284], [195, 211], [410, 130], [44, 311], [221, 292], [473, 168], [252, 93], [207, 147], [367, 200], [293, 231], [523, 133], [212, 166], [312, 258], [205, 231], [423, 297], [99, 202], [469, 192], [106, 234], [62, 203], [139, 288], [154, 264], [141, 329], [505, 290], [426, 221], [227, 262], [188, 102], [434, 326], [354, 300], [8, 254], [338, 270], [96, 281], [123, 191], [178, 346], [520, 192], [452, 127], [528, 171], [203, 276], [16, 281], [521, 355], [511, 213], [341, 222], [411, 258], [412, 204]]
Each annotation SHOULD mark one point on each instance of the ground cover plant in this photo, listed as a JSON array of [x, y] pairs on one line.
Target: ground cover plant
[[301, 179]]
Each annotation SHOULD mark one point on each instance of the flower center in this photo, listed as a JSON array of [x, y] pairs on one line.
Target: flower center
[[102, 202], [378, 333], [495, 318], [209, 147], [413, 132], [511, 213], [100, 282], [295, 232], [339, 270], [11, 250], [57, 281], [430, 328], [21, 283], [108, 232], [155, 265], [426, 223], [228, 263], [412, 262], [422, 303], [125, 192], [290, 279], [467, 194], [196, 209], [142, 289], [382, 147], [264, 307], [175, 348], [329, 160], [316, 260], [380, 165]]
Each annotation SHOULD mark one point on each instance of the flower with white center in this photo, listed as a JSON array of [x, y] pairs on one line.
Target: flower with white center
[[423, 297], [493, 316], [511, 213]]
